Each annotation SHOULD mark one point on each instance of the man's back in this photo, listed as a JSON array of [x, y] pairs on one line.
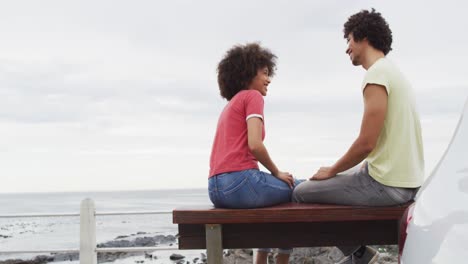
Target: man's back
[[398, 158]]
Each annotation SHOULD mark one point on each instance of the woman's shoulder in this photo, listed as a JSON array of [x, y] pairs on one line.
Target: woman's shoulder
[[246, 97], [248, 94]]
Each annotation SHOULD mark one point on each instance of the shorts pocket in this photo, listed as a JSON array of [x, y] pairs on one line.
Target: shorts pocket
[[229, 180], [241, 195]]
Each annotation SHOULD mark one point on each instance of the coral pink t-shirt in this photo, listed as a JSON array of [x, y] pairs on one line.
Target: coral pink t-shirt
[[230, 150]]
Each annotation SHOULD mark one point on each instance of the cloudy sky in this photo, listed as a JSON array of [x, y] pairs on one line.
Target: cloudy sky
[[122, 95]]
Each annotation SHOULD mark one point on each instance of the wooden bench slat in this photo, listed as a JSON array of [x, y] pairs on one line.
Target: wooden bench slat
[[289, 212], [291, 225]]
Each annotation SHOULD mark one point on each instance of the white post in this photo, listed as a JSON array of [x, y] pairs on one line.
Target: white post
[[88, 253]]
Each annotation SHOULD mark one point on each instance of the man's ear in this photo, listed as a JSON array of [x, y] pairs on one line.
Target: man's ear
[[365, 40]]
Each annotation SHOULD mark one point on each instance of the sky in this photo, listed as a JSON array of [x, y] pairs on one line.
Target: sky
[[122, 95]]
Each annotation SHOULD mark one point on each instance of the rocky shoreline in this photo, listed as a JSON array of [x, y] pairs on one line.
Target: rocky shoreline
[[316, 255]]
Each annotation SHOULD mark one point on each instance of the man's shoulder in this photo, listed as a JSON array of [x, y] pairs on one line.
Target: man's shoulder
[[381, 73], [383, 68], [383, 64]]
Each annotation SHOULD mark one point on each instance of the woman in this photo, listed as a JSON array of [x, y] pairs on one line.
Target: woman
[[235, 180]]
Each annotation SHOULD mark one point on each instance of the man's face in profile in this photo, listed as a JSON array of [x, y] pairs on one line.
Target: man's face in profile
[[354, 50]]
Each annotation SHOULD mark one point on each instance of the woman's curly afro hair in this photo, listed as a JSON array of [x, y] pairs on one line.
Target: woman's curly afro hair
[[370, 25], [240, 66]]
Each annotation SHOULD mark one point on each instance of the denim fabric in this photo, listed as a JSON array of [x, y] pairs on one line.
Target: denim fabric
[[248, 189]]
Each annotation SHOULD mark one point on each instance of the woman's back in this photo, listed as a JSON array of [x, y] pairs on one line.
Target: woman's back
[[230, 150]]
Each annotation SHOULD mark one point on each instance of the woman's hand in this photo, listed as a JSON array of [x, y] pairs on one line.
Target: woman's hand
[[286, 177]]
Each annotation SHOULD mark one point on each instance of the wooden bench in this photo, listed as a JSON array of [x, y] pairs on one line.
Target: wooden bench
[[286, 225]]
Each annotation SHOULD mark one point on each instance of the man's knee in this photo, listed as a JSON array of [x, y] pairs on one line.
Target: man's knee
[[297, 194]]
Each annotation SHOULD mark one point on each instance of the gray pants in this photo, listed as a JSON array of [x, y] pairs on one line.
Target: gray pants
[[353, 187]]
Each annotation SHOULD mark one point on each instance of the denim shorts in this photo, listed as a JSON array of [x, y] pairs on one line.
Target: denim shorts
[[248, 189]]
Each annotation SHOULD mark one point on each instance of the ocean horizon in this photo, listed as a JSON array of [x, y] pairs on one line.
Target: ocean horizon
[[39, 233]]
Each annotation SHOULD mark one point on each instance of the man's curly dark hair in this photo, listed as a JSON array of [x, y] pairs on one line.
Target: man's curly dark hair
[[240, 65], [370, 25]]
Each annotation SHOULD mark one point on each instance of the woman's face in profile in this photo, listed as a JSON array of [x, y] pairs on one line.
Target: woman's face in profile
[[261, 81]]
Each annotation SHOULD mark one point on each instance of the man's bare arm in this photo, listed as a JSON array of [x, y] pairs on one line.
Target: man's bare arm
[[375, 110]]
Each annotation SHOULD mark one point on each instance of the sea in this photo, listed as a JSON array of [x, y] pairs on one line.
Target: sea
[[45, 233]]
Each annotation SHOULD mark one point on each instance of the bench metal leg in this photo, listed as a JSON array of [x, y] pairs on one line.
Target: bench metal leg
[[214, 246]]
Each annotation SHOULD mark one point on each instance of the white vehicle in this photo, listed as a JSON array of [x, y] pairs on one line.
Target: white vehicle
[[436, 226]]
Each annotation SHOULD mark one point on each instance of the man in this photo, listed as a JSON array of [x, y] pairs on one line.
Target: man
[[389, 142]]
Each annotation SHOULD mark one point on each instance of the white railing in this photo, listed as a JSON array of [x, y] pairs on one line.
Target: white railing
[[88, 249]]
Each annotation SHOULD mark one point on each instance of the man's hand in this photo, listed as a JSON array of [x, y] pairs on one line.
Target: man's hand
[[286, 177], [323, 173]]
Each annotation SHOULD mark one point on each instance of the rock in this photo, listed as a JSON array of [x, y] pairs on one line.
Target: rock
[[391, 249], [335, 254], [110, 257], [41, 259], [316, 255], [120, 237], [387, 254], [116, 243], [144, 241], [203, 257], [238, 256], [160, 239], [176, 257], [66, 257]]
